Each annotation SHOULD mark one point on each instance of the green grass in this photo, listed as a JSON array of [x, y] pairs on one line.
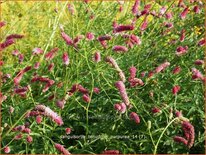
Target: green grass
[[40, 24]]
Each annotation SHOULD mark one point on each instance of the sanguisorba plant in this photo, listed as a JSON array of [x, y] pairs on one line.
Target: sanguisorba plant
[[102, 77]]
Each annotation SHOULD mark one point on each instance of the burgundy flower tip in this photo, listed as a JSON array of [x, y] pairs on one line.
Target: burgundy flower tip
[[90, 36], [60, 104], [77, 39], [51, 97], [65, 58], [117, 107], [86, 98], [110, 152], [168, 15], [68, 131], [7, 43], [96, 90], [67, 39], [184, 13], [120, 107], [21, 58], [121, 87], [150, 74], [181, 50], [196, 74], [15, 53], [36, 65], [135, 117], [18, 136], [143, 74], [7, 149], [155, 110], [2, 23], [37, 51], [176, 70], [119, 48], [121, 28], [135, 81], [178, 114], [182, 36], [27, 130], [162, 67], [189, 132], [163, 10], [97, 57], [175, 89], [104, 44], [61, 149], [196, 9], [50, 55], [105, 37], [202, 42], [82, 89], [180, 140], [169, 25], [14, 36], [50, 67], [132, 71], [144, 25], [135, 39], [199, 62], [38, 119], [135, 7], [29, 139]]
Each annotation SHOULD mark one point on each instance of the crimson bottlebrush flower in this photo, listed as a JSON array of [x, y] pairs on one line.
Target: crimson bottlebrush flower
[[132, 71], [77, 39], [51, 97], [135, 39], [135, 117], [37, 51], [181, 4], [121, 107], [50, 55], [144, 24], [18, 136], [121, 87], [15, 53], [21, 91], [33, 113], [7, 149], [86, 98], [73, 89], [176, 70], [97, 57], [189, 131], [168, 25], [29, 139], [105, 37], [1, 63], [196, 9], [184, 13], [135, 7], [180, 140], [65, 58], [38, 119], [196, 74], [110, 152], [67, 39], [61, 149], [2, 23], [82, 89], [27, 130], [119, 48], [104, 44], [178, 114], [115, 65], [68, 131], [19, 128], [202, 42], [117, 107], [120, 8], [182, 36], [36, 65], [21, 58], [199, 62], [11, 109], [120, 28], [96, 90], [135, 81], [60, 103], [181, 50], [150, 74], [143, 74], [175, 89], [19, 76], [50, 113], [168, 15], [50, 67], [163, 10], [162, 67], [48, 82], [155, 110], [90, 36], [7, 43], [14, 36]]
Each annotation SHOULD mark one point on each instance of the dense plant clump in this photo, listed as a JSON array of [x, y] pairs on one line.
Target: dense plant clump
[[86, 77]]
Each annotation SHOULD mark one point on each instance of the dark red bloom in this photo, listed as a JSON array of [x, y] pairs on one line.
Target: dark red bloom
[[155, 110], [121, 28], [110, 152], [182, 36], [176, 70], [121, 87], [14, 36], [135, 117], [175, 89], [61, 149], [184, 13], [180, 140], [67, 39]]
